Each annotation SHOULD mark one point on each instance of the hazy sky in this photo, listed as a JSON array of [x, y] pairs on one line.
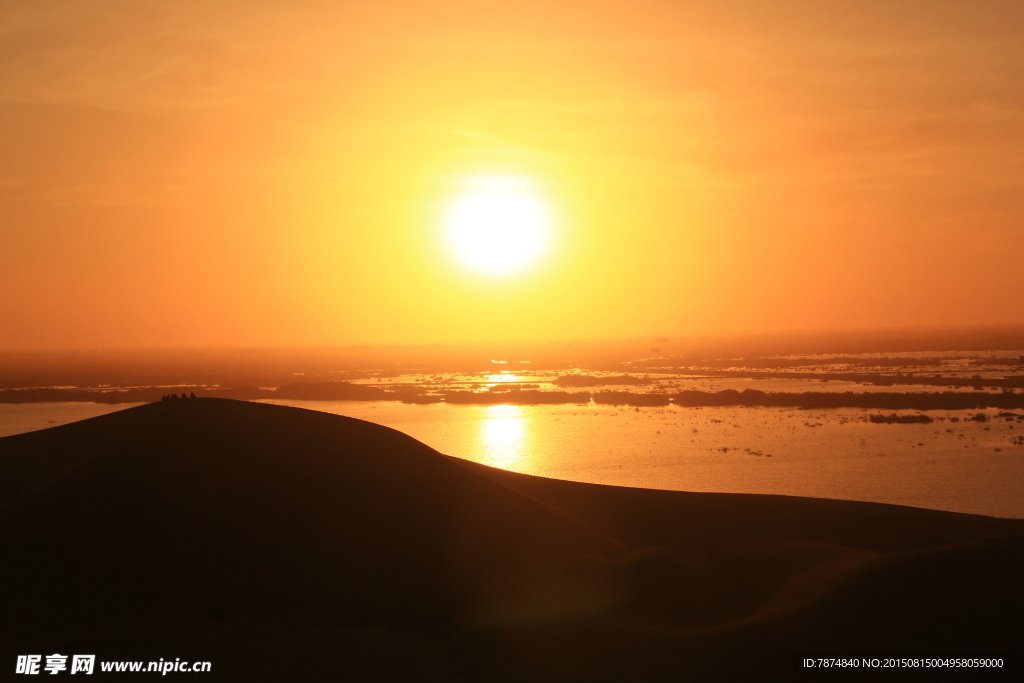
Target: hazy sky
[[274, 173]]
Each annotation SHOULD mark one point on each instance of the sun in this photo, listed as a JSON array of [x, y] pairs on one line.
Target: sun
[[497, 225]]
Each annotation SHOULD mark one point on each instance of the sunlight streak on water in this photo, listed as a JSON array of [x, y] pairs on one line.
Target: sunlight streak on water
[[503, 436], [504, 377]]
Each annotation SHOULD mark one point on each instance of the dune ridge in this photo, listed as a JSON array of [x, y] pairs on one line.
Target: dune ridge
[[287, 544]]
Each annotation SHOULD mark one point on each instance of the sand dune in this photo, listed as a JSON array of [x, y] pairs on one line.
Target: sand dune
[[285, 544]]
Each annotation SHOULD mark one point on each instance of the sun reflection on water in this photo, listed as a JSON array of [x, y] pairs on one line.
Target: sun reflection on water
[[503, 436], [503, 377]]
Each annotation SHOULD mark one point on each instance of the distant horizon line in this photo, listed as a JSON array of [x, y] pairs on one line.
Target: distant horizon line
[[583, 340]]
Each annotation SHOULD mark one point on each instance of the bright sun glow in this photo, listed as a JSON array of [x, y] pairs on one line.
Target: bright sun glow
[[497, 225]]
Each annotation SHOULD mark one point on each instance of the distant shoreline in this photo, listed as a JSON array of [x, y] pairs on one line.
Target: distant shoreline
[[346, 391]]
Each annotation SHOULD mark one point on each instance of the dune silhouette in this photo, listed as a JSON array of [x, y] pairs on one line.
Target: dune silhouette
[[287, 544]]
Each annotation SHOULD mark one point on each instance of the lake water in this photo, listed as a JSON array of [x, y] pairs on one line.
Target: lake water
[[962, 466], [16, 418]]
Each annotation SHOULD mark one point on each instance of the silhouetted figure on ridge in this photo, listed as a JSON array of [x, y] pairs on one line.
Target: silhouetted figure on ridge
[[191, 394]]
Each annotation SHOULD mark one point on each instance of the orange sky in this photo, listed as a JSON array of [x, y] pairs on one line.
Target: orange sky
[[236, 173]]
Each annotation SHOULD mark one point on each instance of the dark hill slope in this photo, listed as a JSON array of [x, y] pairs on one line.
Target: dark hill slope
[[250, 508], [285, 544]]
